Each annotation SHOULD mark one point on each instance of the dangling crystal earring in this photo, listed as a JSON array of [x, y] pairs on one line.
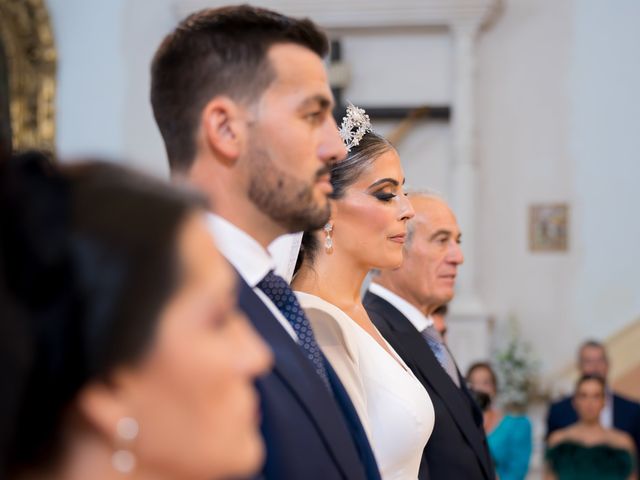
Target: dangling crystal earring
[[328, 241], [123, 460]]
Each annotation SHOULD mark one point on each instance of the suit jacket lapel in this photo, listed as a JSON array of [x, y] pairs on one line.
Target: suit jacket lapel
[[619, 416], [298, 374], [424, 363]]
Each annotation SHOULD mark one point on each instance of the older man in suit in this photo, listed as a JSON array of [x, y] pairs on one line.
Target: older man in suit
[[243, 103], [619, 412], [400, 302]]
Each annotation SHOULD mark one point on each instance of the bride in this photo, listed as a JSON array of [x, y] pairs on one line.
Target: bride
[[367, 230]]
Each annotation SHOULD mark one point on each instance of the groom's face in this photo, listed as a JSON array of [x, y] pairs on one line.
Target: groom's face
[[293, 141]]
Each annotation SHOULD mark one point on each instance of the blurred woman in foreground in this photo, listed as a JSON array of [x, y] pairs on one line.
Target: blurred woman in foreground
[[586, 450], [122, 351]]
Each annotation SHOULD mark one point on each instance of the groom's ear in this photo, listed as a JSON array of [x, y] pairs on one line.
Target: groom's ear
[[335, 210], [224, 129]]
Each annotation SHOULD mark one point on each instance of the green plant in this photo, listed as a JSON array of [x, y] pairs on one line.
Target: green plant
[[517, 370]]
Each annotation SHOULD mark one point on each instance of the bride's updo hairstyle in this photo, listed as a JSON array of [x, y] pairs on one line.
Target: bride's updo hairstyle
[[364, 147], [88, 258], [360, 157]]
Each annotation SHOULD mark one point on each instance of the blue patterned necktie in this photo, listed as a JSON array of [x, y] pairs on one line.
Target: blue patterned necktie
[[439, 349], [279, 292]]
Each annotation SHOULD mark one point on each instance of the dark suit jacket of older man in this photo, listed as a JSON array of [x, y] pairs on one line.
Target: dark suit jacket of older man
[[457, 448]]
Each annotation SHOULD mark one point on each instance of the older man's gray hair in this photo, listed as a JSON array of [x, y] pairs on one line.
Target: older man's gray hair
[[421, 193]]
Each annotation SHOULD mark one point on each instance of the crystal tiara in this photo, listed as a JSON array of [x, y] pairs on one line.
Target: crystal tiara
[[354, 126]]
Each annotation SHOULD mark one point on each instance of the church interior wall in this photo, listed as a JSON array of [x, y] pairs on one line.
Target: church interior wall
[[390, 68], [91, 77], [556, 120], [522, 118], [557, 103]]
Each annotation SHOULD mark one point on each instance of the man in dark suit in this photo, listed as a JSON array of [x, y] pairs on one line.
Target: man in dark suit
[[618, 412], [399, 302], [243, 104]]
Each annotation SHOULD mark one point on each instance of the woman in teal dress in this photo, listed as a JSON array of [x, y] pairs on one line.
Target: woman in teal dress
[[509, 436], [586, 450]]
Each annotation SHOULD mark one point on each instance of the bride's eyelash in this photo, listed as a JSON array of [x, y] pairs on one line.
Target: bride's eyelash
[[384, 197]]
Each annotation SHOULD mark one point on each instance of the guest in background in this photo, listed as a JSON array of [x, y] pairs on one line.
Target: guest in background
[[366, 230], [509, 436], [400, 302], [122, 351], [587, 450], [618, 411]]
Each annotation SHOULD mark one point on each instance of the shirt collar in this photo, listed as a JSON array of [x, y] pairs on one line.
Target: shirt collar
[[415, 316], [249, 258]]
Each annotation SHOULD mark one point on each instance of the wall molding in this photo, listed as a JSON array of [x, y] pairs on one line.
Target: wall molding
[[354, 14]]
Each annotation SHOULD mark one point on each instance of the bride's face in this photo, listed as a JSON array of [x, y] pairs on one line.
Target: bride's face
[[370, 220]]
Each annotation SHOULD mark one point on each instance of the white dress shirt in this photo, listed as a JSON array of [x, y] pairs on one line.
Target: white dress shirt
[[415, 316], [421, 322], [606, 415], [249, 258]]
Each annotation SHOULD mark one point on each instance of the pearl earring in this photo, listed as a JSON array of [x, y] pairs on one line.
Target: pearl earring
[[123, 460], [328, 241]]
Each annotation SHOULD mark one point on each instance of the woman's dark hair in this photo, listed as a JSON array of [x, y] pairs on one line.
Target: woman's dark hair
[[88, 258], [590, 377], [344, 174], [487, 366], [481, 398], [361, 156]]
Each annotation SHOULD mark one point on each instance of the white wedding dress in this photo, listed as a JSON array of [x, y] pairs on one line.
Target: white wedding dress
[[394, 407]]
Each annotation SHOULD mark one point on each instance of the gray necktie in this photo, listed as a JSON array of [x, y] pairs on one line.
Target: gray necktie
[[440, 350]]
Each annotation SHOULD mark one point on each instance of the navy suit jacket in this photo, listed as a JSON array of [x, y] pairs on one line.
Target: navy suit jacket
[[457, 448], [626, 416], [309, 433]]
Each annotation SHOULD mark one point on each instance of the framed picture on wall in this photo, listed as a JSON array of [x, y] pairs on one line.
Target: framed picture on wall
[[549, 227]]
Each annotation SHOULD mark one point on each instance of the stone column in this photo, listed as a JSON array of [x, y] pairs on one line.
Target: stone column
[[464, 168], [469, 339]]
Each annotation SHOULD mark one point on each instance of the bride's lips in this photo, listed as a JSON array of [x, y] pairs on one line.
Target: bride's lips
[[400, 238]]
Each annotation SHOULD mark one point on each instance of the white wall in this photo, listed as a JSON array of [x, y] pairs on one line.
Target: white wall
[[91, 76], [104, 51], [558, 109], [605, 145], [145, 25], [523, 155], [395, 68]]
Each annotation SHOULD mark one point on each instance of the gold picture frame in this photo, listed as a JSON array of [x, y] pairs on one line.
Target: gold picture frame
[[549, 227], [29, 55]]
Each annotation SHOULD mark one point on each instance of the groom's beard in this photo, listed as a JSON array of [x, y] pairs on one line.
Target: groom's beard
[[287, 200]]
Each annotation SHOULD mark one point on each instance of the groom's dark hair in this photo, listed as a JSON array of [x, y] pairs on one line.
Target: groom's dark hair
[[214, 52]]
